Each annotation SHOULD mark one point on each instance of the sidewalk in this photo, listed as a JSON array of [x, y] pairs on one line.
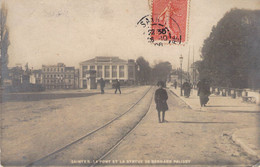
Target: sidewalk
[[250, 143], [216, 103]]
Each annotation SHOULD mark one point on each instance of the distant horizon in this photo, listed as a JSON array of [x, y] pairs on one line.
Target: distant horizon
[[23, 65]]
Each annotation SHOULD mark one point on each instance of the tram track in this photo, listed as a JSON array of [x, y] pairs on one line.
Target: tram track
[[90, 133], [113, 148]]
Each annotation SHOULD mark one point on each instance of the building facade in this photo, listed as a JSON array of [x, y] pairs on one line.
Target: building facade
[[15, 74], [36, 77], [108, 68], [59, 77]]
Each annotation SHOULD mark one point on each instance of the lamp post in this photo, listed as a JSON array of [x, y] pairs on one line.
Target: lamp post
[[181, 60]]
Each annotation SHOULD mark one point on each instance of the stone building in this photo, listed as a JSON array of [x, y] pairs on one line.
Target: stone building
[[59, 77], [36, 77], [108, 68]]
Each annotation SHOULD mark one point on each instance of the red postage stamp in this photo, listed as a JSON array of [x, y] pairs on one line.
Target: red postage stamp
[[169, 21]]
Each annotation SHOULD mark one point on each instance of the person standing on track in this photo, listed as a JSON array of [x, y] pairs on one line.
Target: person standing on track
[[117, 86], [160, 100]]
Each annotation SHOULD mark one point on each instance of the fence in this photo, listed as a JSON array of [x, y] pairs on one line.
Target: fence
[[247, 95]]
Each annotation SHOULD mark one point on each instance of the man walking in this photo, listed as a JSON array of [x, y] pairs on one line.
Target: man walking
[[203, 92], [102, 85], [117, 86], [175, 84]]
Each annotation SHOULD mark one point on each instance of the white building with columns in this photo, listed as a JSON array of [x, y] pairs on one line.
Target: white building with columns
[[108, 68]]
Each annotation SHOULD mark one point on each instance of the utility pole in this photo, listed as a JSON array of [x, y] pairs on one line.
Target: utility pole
[[193, 70], [181, 59], [188, 67]]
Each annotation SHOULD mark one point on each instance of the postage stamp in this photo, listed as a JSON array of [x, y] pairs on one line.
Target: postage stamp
[[169, 21]]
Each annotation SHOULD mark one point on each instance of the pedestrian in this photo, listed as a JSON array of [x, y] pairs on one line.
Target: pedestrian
[[175, 84], [102, 85], [203, 92], [160, 100], [117, 86], [186, 87]]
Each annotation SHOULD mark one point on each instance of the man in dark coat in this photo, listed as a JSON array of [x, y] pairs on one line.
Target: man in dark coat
[[117, 86], [102, 85], [175, 84], [186, 87], [160, 100], [203, 91]]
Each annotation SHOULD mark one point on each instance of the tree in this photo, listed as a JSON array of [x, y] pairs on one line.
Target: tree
[[4, 42], [231, 54], [143, 71], [161, 71]]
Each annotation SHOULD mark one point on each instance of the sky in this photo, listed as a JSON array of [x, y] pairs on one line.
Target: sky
[[71, 31]]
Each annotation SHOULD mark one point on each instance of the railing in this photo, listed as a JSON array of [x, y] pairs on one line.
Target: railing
[[247, 95]]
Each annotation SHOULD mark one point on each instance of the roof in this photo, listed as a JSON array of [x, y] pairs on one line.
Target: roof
[[102, 59]]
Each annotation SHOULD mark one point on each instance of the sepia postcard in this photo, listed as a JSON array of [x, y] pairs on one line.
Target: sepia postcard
[[130, 83]]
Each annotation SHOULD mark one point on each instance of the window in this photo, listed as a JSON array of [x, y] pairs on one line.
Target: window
[[114, 71], [121, 72], [92, 67], [85, 68], [61, 69], [99, 71], [107, 71]]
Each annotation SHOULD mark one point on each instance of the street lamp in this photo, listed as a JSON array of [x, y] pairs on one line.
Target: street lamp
[[181, 60]]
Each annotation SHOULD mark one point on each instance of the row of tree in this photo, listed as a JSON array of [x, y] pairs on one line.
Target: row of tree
[[231, 54], [151, 75], [4, 43]]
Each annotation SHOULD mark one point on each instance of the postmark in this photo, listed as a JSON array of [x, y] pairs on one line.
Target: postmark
[[168, 22]]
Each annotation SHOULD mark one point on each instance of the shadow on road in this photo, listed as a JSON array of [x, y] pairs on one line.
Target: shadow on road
[[43, 96]]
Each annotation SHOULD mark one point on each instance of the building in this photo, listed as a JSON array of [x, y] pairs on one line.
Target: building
[[76, 78], [108, 68], [15, 75], [59, 77], [36, 77]]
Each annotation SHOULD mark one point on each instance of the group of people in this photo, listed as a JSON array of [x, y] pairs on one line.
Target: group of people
[[103, 84], [161, 96], [186, 86]]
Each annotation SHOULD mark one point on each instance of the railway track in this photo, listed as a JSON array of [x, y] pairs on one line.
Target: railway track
[[94, 132]]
